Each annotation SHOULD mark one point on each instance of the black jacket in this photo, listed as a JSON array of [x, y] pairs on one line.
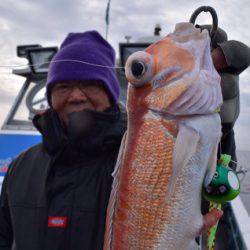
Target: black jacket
[[55, 194], [237, 56]]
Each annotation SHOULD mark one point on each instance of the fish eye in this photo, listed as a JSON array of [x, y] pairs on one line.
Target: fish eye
[[139, 68]]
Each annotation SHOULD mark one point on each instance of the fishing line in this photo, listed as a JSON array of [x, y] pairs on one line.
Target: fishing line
[[241, 171], [62, 60]]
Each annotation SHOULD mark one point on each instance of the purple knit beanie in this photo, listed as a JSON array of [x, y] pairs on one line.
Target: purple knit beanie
[[89, 47]]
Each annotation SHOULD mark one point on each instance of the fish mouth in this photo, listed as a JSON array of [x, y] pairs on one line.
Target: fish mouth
[[160, 79]]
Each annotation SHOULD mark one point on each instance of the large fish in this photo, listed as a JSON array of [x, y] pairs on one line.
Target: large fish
[[170, 144]]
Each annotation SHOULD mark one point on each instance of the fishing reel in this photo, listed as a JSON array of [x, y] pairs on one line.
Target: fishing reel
[[225, 185]]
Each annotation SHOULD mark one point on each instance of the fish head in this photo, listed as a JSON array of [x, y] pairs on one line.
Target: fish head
[[159, 75]]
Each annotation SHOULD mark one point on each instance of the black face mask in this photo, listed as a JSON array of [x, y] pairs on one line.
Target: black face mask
[[52, 129], [90, 131]]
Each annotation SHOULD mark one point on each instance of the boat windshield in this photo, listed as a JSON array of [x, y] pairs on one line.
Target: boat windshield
[[31, 99]]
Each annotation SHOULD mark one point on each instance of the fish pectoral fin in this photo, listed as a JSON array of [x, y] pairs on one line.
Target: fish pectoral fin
[[184, 149], [120, 155]]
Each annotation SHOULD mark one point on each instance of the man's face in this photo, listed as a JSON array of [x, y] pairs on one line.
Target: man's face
[[68, 97]]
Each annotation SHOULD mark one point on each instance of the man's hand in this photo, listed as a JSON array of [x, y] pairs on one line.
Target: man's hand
[[210, 219], [219, 59]]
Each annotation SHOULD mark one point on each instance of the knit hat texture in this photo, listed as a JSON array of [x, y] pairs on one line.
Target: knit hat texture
[[76, 59]]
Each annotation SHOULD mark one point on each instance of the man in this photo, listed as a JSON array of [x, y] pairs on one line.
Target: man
[[55, 194], [230, 58]]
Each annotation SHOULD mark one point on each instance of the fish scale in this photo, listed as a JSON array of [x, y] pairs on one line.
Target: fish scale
[[151, 212], [170, 144]]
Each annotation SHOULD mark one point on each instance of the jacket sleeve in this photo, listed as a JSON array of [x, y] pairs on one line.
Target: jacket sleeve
[[237, 56], [6, 234]]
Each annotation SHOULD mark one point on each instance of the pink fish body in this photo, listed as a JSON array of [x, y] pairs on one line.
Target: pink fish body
[[170, 144]]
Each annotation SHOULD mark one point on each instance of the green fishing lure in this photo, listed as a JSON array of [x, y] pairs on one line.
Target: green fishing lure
[[225, 185]]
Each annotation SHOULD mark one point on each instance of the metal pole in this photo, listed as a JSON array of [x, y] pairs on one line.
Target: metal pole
[[107, 18], [107, 28]]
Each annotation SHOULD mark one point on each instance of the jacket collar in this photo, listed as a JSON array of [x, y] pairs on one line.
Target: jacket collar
[[105, 133]]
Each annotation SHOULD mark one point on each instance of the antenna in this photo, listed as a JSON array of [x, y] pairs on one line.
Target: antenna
[[128, 38], [157, 29], [107, 19]]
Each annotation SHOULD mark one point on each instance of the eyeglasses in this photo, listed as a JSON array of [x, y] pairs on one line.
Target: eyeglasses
[[90, 89]]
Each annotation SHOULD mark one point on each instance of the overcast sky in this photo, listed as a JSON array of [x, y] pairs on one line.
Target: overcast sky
[[47, 22]]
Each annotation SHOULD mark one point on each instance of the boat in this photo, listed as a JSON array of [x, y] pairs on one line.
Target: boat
[[18, 133]]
